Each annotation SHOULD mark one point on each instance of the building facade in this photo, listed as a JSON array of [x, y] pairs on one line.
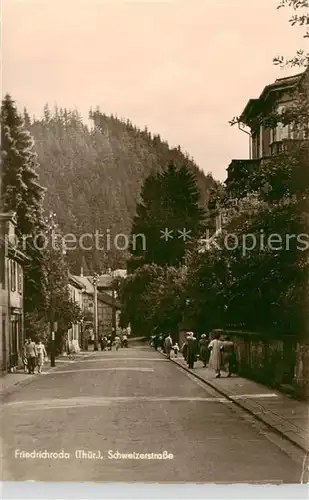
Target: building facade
[[12, 262], [107, 306], [76, 290], [267, 139]]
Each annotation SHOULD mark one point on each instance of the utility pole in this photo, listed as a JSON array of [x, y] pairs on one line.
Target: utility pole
[[95, 284], [53, 344], [113, 313]]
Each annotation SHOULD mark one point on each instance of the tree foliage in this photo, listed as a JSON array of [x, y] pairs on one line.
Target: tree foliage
[[170, 202], [23, 194], [94, 177]]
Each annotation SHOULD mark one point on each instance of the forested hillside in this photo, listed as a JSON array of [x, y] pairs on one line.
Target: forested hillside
[[94, 175]]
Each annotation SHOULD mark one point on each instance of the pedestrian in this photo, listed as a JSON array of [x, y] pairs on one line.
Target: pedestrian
[[41, 355], [101, 342], [230, 356], [176, 349], [31, 355], [168, 343], [184, 349], [117, 342], [161, 342], [109, 343], [24, 356], [192, 350], [204, 351], [215, 360], [155, 342]]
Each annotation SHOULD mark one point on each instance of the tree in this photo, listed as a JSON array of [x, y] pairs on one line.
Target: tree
[[273, 281], [152, 299], [60, 307], [23, 194], [300, 18], [168, 217], [135, 298]]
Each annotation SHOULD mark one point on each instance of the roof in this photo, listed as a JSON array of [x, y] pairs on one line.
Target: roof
[[253, 105], [122, 273], [83, 280], [75, 282], [109, 300], [85, 283]]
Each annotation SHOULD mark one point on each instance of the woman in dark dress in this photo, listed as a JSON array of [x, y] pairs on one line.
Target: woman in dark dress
[[204, 351]]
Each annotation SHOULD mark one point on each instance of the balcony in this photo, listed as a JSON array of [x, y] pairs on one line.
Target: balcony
[[284, 145]]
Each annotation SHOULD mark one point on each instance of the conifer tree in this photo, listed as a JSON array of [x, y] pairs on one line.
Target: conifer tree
[[23, 194], [169, 217]]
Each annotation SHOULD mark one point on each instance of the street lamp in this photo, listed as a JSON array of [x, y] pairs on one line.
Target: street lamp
[[95, 284]]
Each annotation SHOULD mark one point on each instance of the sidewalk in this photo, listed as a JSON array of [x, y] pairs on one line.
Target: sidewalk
[[288, 417], [11, 381]]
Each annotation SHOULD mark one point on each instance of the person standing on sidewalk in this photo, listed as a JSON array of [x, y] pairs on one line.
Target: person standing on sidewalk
[[191, 350], [176, 349], [229, 355], [215, 347], [204, 351], [168, 343], [41, 355], [184, 348], [24, 356], [31, 355]]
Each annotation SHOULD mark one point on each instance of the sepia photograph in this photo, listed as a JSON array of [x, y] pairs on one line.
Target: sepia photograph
[[154, 247]]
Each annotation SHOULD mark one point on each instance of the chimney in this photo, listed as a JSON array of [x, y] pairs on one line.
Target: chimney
[[81, 271]]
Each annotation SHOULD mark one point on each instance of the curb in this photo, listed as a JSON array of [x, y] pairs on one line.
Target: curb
[[6, 392], [243, 407]]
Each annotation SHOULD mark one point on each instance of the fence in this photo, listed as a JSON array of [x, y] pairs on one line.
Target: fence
[[281, 363]]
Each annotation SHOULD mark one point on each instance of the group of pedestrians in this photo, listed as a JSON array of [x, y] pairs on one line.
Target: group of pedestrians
[[107, 342], [215, 351], [166, 344], [34, 354]]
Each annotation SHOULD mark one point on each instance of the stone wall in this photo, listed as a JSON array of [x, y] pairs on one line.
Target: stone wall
[[277, 363]]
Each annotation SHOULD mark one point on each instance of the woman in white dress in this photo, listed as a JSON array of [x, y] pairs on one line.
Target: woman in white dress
[[215, 347], [41, 355]]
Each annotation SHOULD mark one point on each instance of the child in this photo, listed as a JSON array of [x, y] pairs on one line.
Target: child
[[176, 349]]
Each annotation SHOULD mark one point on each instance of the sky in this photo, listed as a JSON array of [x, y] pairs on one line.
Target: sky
[[183, 68]]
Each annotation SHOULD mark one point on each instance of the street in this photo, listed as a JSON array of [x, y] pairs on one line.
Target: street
[[134, 401]]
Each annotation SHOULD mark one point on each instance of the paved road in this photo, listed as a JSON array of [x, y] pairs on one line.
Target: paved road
[[135, 400]]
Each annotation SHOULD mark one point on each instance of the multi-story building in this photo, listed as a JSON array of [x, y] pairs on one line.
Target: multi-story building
[[12, 262], [265, 139], [108, 305], [76, 290]]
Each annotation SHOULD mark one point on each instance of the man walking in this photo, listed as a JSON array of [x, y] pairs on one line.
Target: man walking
[[191, 350], [31, 356]]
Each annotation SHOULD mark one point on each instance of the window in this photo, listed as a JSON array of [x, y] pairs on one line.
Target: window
[[280, 132], [20, 279], [13, 275]]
